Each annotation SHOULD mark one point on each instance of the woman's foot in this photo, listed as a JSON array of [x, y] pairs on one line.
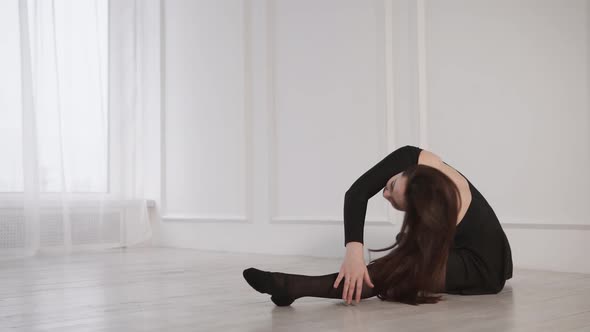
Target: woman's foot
[[272, 283]]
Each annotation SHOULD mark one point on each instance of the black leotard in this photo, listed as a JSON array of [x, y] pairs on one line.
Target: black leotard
[[480, 260]]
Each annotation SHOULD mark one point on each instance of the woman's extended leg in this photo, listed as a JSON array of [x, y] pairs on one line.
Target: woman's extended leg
[[286, 288]]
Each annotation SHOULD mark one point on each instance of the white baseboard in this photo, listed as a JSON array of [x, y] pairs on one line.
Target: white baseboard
[[534, 246]]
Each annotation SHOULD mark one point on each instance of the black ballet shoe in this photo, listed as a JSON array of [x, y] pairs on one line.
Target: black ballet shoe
[[263, 282]]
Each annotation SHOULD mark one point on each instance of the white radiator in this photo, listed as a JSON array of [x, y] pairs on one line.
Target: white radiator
[[87, 227]]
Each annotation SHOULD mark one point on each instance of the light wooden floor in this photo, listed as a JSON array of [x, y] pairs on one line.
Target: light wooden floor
[[164, 289]]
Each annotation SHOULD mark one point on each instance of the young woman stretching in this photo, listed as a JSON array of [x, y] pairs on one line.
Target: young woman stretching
[[450, 240]]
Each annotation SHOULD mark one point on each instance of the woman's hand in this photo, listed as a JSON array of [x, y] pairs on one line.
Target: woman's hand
[[354, 271]]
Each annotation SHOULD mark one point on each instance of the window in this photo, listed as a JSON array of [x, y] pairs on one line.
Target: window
[[69, 53]]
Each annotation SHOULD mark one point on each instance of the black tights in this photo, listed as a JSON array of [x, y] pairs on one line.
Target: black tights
[[285, 288]]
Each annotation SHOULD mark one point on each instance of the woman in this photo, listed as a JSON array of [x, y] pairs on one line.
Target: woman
[[450, 240]]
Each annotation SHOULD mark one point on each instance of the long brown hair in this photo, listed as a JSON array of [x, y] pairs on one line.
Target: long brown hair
[[416, 266]]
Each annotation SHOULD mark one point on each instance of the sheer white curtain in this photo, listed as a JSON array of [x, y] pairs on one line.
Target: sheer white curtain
[[78, 78]]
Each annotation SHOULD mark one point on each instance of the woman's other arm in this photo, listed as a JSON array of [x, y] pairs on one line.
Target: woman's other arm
[[369, 184]]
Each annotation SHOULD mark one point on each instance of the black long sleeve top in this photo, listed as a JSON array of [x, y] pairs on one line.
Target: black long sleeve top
[[369, 184]]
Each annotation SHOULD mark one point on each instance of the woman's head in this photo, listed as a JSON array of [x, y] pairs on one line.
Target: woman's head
[[416, 265], [394, 191]]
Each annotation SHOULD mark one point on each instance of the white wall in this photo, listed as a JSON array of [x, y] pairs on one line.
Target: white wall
[[273, 108], [513, 80]]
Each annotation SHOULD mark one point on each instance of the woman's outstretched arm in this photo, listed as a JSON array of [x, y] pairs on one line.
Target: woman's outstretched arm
[[353, 270], [369, 184]]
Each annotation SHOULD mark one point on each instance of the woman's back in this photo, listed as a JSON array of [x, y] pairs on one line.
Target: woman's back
[[482, 245]]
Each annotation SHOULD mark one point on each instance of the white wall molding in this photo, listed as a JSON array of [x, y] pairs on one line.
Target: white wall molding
[[271, 108], [163, 74], [422, 74], [246, 141], [248, 148], [423, 102], [521, 223], [386, 126], [508, 223], [163, 177], [389, 72], [546, 226], [329, 220], [207, 218]]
